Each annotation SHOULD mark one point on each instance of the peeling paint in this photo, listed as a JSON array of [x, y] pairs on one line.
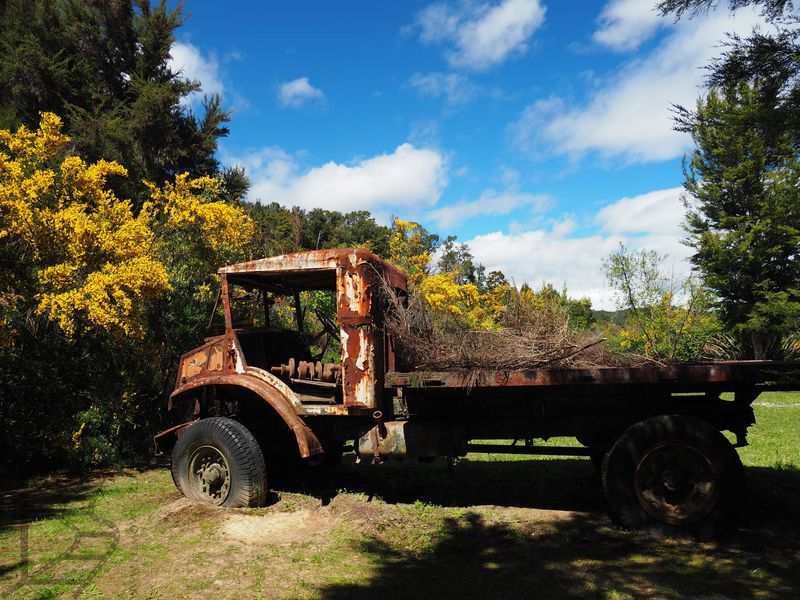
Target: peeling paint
[[363, 347]]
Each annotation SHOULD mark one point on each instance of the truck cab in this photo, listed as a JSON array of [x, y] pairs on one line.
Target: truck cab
[[258, 364], [352, 276]]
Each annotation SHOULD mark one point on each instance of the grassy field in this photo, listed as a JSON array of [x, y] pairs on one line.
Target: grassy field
[[492, 527]]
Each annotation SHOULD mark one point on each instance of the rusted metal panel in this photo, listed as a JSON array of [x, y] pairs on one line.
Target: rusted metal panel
[[363, 346], [215, 358], [307, 442], [319, 260], [412, 439], [201, 361], [166, 439], [739, 372]]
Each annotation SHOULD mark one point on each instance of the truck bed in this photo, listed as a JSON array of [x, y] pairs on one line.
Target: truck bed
[[720, 376]]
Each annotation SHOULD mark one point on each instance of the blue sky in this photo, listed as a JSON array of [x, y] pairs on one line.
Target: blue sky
[[537, 131]]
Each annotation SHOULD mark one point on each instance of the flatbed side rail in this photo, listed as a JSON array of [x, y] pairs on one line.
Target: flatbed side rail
[[765, 375]]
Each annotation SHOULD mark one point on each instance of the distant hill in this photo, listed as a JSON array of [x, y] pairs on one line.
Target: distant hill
[[618, 317]]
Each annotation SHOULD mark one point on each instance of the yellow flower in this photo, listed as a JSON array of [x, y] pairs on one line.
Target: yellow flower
[[96, 262], [99, 264]]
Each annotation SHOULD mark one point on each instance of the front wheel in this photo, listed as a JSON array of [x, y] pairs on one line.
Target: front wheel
[[673, 475], [220, 462]]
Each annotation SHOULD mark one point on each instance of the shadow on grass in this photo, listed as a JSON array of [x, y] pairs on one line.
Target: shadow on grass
[[773, 501], [575, 558], [53, 496], [49, 498], [557, 484], [77, 551], [580, 555]]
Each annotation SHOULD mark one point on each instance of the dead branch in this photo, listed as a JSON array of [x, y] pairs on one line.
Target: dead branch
[[527, 338]]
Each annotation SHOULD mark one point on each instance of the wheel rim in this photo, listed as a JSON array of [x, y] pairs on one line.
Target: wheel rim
[[676, 483], [209, 475]]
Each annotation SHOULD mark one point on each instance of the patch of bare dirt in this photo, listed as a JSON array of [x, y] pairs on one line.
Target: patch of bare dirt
[[184, 512], [540, 515], [278, 528], [357, 507]]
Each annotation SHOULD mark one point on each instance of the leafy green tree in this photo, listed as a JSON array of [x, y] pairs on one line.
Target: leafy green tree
[[667, 317], [457, 258], [496, 280], [332, 229], [280, 230], [577, 310], [744, 213]]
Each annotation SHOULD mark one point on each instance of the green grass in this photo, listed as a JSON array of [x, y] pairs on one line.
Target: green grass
[[775, 438], [492, 527]]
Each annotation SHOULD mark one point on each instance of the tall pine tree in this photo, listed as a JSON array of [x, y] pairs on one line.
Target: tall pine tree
[[103, 65], [743, 184]]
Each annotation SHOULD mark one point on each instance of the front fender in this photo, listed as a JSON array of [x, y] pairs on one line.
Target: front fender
[[307, 443]]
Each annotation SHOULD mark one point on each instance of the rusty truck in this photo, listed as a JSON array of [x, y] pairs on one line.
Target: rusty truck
[[258, 395]]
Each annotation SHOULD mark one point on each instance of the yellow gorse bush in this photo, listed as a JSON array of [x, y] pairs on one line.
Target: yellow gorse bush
[[94, 258], [98, 263], [191, 206], [441, 291], [407, 250], [463, 300], [659, 331]]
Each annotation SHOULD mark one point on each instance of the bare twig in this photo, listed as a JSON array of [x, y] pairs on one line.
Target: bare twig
[[527, 338]]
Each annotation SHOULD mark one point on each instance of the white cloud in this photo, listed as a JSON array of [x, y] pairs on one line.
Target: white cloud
[[192, 64], [625, 24], [480, 35], [558, 255], [298, 92], [454, 88], [406, 177], [661, 210], [629, 116], [489, 203], [425, 132]]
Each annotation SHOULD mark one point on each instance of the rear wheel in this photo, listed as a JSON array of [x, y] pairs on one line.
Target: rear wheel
[[673, 475], [220, 462], [596, 456]]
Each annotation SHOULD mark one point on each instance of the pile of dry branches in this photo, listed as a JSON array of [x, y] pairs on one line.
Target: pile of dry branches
[[527, 338]]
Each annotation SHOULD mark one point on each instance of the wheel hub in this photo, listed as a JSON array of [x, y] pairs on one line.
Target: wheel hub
[[672, 480], [209, 474], [676, 483]]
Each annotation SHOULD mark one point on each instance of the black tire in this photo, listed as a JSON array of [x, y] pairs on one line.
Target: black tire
[[596, 455], [674, 475], [220, 462]]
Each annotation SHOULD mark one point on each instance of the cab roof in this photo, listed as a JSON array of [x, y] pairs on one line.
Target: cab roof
[[311, 270]]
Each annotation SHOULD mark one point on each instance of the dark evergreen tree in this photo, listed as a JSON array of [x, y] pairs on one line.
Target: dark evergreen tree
[[281, 230], [457, 258], [103, 66], [743, 199], [768, 59], [772, 9], [743, 184]]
